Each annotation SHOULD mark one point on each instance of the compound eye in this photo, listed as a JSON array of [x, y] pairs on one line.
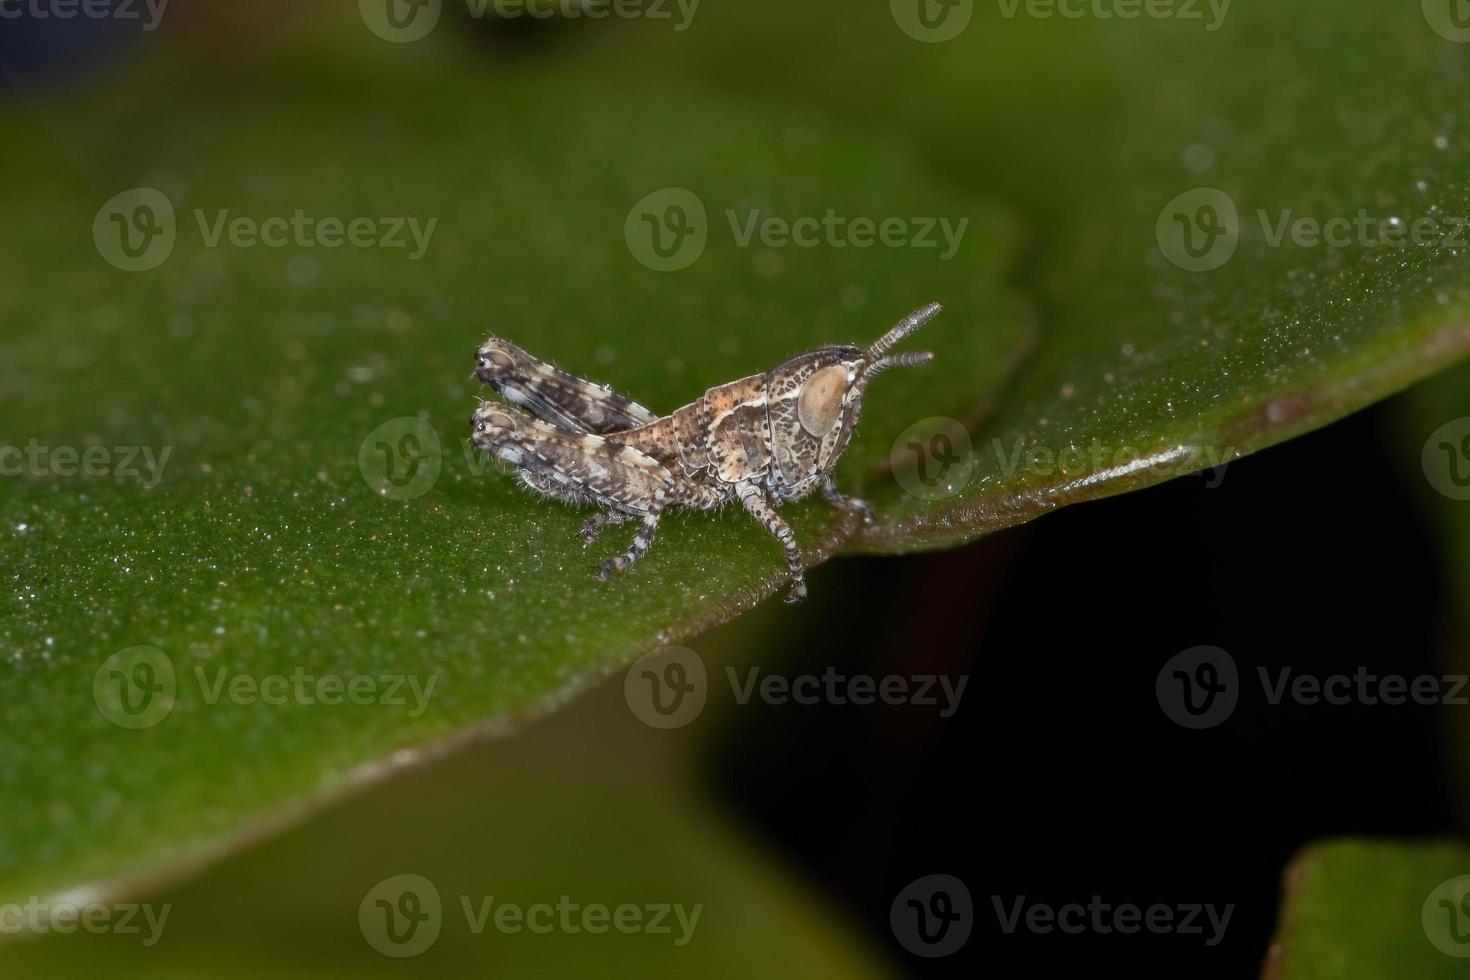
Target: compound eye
[[492, 362], [494, 420], [820, 402]]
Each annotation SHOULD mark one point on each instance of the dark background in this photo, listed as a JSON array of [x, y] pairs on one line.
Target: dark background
[[1060, 777]]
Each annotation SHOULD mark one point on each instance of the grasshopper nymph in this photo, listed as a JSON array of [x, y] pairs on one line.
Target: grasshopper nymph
[[762, 440]]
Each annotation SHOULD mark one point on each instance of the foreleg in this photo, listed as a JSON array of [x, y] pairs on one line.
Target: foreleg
[[853, 505], [761, 508]]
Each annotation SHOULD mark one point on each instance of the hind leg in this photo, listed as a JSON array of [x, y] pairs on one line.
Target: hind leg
[[639, 547], [594, 524], [560, 398], [579, 466]]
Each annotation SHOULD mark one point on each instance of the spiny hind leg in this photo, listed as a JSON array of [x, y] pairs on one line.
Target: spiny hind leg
[[579, 467], [854, 505], [548, 482], [761, 508], [640, 544]]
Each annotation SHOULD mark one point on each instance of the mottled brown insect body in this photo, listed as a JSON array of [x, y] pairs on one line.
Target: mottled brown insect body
[[761, 440]]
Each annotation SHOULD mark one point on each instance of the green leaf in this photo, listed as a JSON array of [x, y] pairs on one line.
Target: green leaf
[[605, 823], [1363, 910], [1095, 131], [273, 551]]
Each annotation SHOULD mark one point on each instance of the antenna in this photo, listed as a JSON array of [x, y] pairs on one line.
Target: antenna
[[902, 329]]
